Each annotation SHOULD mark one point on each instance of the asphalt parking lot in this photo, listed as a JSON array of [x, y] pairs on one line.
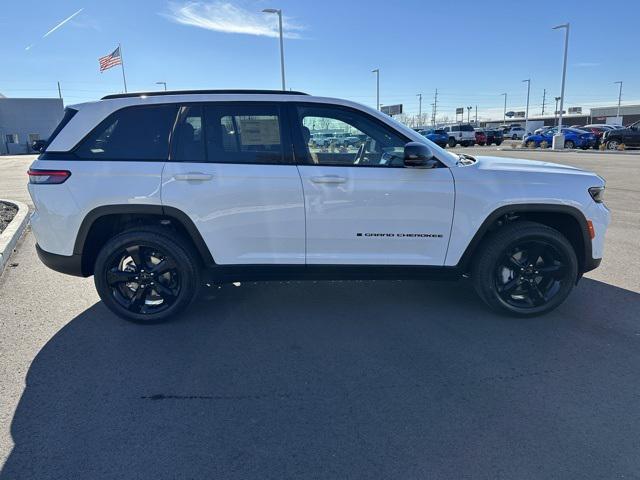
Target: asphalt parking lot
[[327, 379]]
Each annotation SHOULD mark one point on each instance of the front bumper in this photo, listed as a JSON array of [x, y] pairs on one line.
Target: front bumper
[[70, 265]]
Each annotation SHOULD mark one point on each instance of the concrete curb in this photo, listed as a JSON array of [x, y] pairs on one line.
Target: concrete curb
[[10, 236]]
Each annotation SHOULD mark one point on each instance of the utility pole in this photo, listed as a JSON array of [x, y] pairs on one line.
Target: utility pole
[[504, 112], [544, 97], [435, 108], [558, 138], [433, 116], [526, 114], [419, 108], [619, 100], [377, 72], [476, 115]]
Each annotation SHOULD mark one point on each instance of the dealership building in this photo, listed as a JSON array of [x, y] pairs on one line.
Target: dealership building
[[23, 120]]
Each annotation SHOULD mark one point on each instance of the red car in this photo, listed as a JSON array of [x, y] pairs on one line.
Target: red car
[[597, 130], [481, 138]]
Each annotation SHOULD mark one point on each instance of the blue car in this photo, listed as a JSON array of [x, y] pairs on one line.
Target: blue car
[[573, 138], [436, 135]]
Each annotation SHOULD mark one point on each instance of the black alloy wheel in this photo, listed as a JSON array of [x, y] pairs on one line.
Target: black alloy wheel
[[530, 273], [144, 279], [524, 269], [147, 275]]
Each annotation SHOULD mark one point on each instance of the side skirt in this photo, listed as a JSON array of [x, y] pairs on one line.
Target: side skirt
[[234, 273]]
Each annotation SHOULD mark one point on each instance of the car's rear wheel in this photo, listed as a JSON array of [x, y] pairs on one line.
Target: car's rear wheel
[[525, 269], [569, 144], [145, 276], [498, 144], [451, 143]]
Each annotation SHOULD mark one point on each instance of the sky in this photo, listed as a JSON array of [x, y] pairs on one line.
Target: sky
[[470, 51]]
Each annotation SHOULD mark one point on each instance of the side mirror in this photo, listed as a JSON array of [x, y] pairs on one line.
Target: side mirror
[[417, 154], [38, 145]]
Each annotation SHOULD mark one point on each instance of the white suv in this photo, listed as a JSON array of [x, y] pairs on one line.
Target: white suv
[[463, 134], [155, 193]]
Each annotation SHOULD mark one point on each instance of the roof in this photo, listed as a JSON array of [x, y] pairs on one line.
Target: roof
[[202, 92]]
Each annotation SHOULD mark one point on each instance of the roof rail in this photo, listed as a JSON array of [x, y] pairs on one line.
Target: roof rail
[[201, 92]]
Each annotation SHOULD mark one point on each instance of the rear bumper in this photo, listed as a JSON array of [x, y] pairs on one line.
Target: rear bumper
[[70, 265]]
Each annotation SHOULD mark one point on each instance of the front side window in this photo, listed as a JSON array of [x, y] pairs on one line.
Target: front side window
[[341, 136], [133, 133]]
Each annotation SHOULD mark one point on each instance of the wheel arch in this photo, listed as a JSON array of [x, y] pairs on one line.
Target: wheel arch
[[103, 222], [568, 220]]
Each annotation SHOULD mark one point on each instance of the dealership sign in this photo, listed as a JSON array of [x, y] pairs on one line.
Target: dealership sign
[[391, 109]]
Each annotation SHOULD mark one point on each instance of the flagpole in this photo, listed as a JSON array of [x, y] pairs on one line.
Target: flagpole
[[124, 79]]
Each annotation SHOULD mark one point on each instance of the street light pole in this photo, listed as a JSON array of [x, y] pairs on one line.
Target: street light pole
[[419, 108], [469, 114], [162, 83], [526, 113], [555, 114], [279, 13], [504, 112], [377, 72], [558, 138], [619, 100]]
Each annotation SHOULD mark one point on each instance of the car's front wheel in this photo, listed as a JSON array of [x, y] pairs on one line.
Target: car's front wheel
[[147, 276], [613, 144], [569, 144], [525, 269]]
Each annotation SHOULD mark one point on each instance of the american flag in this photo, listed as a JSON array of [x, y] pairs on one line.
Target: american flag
[[111, 60]]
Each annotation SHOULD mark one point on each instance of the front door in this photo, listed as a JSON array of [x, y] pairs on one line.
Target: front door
[[232, 172], [362, 205]]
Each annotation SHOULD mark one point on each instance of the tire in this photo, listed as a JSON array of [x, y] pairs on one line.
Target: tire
[[530, 291], [613, 144], [498, 144], [514, 137], [170, 287], [482, 144], [452, 142], [569, 144]]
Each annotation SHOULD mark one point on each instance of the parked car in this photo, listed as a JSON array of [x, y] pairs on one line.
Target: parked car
[[541, 130], [481, 137], [155, 193], [573, 138], [494, 136], [437, 136], [629, 136], [597, 130], [462, 134], [515, 133]]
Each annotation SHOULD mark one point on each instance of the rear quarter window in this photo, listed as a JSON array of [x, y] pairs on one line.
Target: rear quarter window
[[132, 133]]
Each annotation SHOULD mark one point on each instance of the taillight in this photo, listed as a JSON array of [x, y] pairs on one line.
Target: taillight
[[48, 177]]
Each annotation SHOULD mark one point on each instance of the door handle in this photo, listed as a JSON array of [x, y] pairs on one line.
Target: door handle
[[329, 179], [202, 177]]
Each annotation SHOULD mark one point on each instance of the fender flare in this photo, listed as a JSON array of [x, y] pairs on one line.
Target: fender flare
[[159, 210], [585, 262]]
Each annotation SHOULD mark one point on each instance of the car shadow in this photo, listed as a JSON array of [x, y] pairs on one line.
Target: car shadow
[[337, 380]]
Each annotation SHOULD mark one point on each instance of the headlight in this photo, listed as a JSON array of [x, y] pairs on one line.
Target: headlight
[[597, 193]]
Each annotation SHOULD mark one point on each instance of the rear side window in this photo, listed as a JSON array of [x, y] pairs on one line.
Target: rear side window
[[466, 128], [133, 133], [243, 133]]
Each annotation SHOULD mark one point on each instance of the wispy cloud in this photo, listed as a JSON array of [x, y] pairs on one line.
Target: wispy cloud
[[59, 25], [229, 18], [586, 64]]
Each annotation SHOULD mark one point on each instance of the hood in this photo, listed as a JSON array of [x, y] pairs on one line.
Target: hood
[[533, 166]]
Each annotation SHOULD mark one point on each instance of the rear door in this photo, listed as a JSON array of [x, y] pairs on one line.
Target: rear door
[[231, 171], [363, 207]]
